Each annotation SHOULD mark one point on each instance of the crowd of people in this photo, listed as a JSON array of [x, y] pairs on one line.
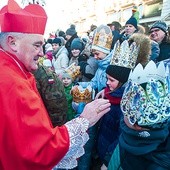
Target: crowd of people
[[93, 102]]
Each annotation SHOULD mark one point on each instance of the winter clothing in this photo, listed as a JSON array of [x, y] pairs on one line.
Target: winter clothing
[[120, 73], [77, 44], [155, 51], [70, 113], [109, 128], [52, 92], [88, 68], [68, 44], [98, 82], [133, 22], [71, 31], [60, 60], [164, 51], [161, 25], [57, 41], [145, 149]]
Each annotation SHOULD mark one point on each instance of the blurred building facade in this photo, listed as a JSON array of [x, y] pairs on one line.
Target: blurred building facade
[[87, 12]]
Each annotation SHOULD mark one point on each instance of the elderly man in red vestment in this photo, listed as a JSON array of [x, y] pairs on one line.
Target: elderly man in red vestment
[[27, 138]]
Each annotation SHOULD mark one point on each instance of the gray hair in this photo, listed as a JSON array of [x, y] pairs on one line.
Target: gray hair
[[4, 35]]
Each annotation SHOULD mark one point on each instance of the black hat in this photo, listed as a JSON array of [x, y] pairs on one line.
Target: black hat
[[161, 25], [77, 43], [133, 22], [57, 41], [119, 73], [71, 31]]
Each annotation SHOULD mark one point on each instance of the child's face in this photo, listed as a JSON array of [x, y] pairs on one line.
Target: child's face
[[112, 83], [66, 81], [98, 54], [75, 52]]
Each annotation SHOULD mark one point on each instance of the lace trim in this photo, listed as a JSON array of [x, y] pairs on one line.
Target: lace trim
[[78, 137]]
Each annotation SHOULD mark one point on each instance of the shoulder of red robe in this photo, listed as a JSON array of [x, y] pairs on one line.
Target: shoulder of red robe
[[32, 19]]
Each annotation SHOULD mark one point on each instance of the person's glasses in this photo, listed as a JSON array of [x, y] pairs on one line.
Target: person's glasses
[[155, 30]]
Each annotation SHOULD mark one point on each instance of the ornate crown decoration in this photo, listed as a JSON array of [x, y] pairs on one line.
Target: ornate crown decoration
[[125, 55], [146, 99], [81, 94], [73, 71], [102, 40]]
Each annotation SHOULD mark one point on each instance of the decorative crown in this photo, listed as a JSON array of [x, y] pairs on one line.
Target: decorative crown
[[73, 71], [102, 40], [125, 55], [81, 94], [146, 99]]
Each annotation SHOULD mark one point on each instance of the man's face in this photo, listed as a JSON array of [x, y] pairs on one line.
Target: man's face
[[157, 34], [129, 29], [29, 49]]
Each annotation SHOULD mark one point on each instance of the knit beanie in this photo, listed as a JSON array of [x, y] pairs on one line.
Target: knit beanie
[[133, 22], [119, 73], [161, 25], [57, 41], [71, 31], [48, 47], [77, 43]]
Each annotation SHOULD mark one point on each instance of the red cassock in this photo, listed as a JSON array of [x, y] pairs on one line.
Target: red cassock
[[27, 139]]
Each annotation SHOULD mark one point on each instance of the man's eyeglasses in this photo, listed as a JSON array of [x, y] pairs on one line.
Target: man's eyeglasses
[[155, 30]]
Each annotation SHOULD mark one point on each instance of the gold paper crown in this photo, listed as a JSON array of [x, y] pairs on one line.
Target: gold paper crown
[[129, 56], [125, 55], [81, 94], [73, 71], [102, 39]]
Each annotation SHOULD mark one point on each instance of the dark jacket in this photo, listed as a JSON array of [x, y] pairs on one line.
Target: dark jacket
[[164, 51], [109, 129]]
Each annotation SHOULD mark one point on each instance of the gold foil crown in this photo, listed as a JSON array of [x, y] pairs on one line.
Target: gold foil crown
[[73, 71], [81, 94], [103, 38], [125, 55]]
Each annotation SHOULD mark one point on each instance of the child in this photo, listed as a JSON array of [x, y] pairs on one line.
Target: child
[[117, 74], [67, 82]]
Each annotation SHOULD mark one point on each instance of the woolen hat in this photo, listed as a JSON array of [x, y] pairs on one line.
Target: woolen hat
[[133, 22], [77, 43], [56, 41], [71, 31], [161, 25], [119, 73]]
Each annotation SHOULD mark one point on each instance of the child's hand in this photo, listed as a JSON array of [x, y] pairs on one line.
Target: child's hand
[[100, 94]]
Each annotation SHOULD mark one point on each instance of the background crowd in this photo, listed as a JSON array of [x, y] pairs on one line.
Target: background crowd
[[75, 70]]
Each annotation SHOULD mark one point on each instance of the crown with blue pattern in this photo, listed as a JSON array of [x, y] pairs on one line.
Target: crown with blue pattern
[[146, 99]]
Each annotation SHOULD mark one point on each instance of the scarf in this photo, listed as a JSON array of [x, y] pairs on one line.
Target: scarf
[[113, 97]]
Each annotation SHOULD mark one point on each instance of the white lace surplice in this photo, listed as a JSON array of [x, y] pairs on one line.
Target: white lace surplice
[[78, 137]]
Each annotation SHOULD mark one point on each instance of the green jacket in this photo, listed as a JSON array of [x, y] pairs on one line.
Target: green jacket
[[71, 113]]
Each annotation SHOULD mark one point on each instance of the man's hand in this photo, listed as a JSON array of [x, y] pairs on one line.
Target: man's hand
[[94, 110]]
